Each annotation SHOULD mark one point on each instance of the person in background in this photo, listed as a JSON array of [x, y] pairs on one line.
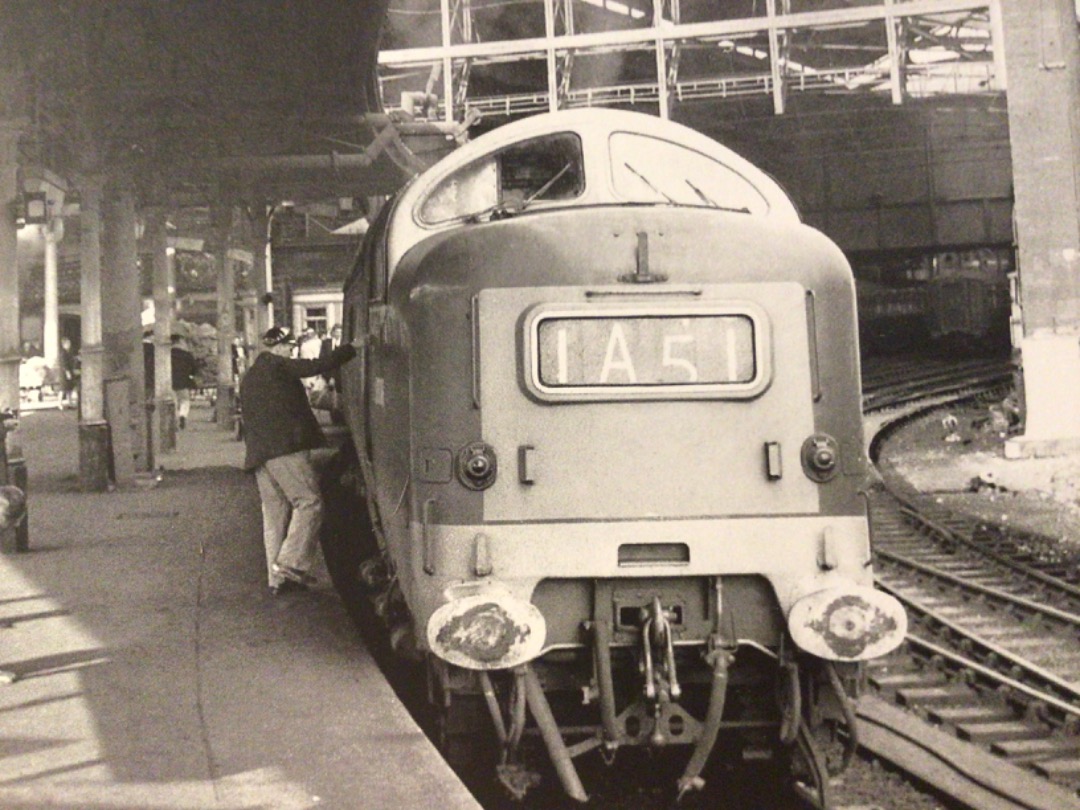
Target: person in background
[[333, 378], [280, 431], [68, 365], [239, 358], [310, 345], [183, 379], [329, 343], [33, 371], [148, 363], [12, 507]]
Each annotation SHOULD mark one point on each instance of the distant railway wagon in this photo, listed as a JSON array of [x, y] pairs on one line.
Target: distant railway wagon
[[607, 451], [892, 319], [971, 314], [949, 314]]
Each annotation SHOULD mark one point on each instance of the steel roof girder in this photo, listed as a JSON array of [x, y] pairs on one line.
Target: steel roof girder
[[538, 46]]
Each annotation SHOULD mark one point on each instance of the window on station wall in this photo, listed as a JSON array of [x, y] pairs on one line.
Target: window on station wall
[[316, 318], [918, 268], [990, 264]]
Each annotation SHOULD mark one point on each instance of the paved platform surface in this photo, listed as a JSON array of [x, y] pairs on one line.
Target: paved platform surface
[[155, 671]]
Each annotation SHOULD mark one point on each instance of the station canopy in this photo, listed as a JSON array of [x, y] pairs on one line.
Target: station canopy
[[198, 101]]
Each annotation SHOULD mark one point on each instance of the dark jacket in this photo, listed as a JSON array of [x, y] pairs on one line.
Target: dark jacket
[[325, 350], [183, 368], [148, 367], [69, 369], [277, 417]]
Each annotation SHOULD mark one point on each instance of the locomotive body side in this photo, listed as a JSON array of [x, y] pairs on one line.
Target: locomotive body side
[[625, 433]]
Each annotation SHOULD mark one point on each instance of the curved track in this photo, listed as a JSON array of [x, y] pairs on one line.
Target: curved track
[[992, 658]]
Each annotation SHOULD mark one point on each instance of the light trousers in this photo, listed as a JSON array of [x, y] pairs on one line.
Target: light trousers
[[183, 402], [291, 512]]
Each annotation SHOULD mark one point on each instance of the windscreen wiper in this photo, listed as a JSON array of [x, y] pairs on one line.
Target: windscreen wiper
[[544, 188], [647, 182], [709, 201], [705, 198]]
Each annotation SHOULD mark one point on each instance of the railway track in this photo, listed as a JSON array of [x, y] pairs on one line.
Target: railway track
[[991, 667], [912, 381]]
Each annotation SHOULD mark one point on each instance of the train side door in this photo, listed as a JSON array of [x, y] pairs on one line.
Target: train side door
[[368, 296], [358, 301], [354, 374]]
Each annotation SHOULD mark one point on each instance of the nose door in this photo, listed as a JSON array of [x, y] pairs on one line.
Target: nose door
[[639, 414]]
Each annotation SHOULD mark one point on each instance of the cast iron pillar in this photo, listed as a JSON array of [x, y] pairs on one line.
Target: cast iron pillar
[[163, 421], [50, 319], [93, 429], [226, 321], [10, 354], [125, 394], [260, 271]]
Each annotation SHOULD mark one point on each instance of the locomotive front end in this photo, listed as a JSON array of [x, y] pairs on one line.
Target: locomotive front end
[[654, 499], [616, 448]]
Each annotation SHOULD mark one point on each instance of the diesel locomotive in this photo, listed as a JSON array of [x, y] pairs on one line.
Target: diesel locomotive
[[606, 471]]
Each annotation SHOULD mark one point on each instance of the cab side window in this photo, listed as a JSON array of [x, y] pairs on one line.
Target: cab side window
[[545, 169], [542, 169]]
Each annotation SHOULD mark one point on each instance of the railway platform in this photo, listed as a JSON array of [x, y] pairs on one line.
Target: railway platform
[[154, 670]]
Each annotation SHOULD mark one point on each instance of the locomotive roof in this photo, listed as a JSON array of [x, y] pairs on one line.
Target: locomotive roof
[[618, 158]]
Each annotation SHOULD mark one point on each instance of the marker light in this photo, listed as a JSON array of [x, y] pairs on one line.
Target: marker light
[[821, 457], [476, 465]]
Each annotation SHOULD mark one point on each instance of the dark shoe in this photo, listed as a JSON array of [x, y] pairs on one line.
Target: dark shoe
[[287, 586], [293, 575], [183, 422]]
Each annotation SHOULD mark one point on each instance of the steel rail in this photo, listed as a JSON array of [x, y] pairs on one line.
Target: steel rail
[[1034, 692], [1029, 606], [1051, 686], [970, 776], [912, 512], [913, 374], [916, 391], [1069, 712]]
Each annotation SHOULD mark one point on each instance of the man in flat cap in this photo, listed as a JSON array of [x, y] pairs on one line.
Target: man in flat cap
[[280, 431]]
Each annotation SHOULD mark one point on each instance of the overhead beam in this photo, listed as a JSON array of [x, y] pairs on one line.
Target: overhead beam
[[396, 153], [538, 46]]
